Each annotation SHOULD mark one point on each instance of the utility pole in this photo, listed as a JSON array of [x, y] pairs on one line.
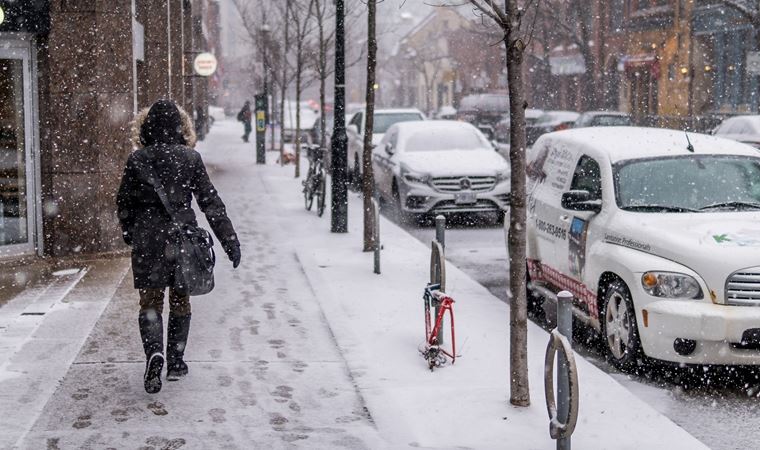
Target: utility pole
[[339, 200]]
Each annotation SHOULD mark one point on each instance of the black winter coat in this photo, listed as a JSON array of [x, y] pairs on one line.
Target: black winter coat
[[146, 223]]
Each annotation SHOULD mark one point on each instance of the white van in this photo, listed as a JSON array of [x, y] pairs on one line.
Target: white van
[[657, 234]]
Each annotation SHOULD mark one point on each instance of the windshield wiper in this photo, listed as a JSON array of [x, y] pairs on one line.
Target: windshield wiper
[[657, 208], [734, 204]]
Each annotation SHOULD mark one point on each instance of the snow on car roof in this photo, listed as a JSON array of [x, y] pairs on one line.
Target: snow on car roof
[[397, 111], [622, 143], [412, 126]]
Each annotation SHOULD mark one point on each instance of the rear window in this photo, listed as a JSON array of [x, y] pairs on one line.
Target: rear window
[[611, 121], [438, 139], [384, 121]]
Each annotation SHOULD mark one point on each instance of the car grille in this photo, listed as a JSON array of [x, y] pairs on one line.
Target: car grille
[[448, 206], [458, 184], [743, 287]]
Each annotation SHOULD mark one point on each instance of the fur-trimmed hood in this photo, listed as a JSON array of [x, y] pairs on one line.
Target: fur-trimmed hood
[[163, 125]]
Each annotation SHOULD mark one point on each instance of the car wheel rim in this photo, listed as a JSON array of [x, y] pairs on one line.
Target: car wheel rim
[[617, 326]]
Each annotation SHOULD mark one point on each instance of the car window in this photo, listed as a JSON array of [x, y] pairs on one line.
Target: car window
[[445, 139], [688, 182], [384, 121], [587, 177], [611, 121]]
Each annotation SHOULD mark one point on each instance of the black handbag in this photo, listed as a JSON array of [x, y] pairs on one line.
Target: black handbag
[[191, 247]]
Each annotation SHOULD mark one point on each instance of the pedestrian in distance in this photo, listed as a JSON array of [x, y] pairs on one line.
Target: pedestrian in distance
[[246, 116], [164, 138]]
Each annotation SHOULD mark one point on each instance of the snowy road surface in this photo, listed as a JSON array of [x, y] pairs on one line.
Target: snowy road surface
[[722, 410]]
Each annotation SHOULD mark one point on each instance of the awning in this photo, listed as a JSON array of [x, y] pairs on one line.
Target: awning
[[567, 65]]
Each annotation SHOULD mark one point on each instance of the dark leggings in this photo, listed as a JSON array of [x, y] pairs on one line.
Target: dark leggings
[[154, 299]]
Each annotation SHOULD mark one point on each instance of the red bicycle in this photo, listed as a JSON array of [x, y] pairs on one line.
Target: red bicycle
[[433, 352]]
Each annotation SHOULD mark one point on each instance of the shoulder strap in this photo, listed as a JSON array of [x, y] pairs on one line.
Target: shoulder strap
[[159, 188]]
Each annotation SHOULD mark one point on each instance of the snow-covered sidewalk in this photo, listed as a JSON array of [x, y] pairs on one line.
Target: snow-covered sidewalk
[[304, 347]]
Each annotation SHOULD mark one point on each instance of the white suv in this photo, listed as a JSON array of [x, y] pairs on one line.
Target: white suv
[[657, 234], [383, 119]]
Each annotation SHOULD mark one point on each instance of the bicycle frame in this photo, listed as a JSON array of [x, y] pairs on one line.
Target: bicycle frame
[[433, 298]]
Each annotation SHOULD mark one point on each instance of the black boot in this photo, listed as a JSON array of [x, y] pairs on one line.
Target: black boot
[[179, 327], [152, 333]]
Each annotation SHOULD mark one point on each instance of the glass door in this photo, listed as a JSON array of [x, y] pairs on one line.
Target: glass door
[[17, 187]]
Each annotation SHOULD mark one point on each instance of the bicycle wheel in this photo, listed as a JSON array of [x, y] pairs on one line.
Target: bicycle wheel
[[308, 194], [321, 193]]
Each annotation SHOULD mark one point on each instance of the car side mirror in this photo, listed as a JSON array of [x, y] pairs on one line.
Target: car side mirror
[[389, 149], [580, 200]]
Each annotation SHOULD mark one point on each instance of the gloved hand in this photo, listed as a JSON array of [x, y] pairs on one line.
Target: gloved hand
[[233, 252]]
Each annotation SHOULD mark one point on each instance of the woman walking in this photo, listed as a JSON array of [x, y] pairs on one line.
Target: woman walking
[[165, 137]]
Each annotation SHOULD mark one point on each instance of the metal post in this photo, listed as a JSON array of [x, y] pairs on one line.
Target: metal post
[[339, 198], [565, 328], [440, 236], [440, 229], [376, 219], [261, 127]]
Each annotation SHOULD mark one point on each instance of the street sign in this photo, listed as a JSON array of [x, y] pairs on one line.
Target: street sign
[[261, 121], [205, 64], [753, 63]]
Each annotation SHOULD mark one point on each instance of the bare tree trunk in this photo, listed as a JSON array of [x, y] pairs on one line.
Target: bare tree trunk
[[299, 67], [518, 311], [368, 180], [322, 85], [284, 83]]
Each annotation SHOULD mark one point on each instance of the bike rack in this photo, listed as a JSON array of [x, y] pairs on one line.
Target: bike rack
[[565, 408]]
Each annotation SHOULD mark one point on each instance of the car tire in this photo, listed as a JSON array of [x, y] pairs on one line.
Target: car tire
[[620, 332]]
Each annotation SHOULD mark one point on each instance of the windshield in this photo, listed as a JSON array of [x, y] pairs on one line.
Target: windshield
[[384, 121], [688, 183], [440, 139], [611, 121]]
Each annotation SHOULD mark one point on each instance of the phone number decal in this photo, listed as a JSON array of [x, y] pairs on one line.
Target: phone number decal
[[551, 229]]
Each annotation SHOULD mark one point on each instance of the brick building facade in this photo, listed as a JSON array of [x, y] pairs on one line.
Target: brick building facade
[[75, 73]]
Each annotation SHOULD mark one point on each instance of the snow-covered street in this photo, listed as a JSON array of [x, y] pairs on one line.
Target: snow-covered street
[[300, 347]]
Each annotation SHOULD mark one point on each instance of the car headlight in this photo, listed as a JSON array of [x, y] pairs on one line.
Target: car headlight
[[502, 176], [671, 285], [411, 176]]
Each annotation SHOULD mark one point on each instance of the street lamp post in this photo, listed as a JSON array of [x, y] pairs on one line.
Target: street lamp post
[[261, 135], [339, 201]]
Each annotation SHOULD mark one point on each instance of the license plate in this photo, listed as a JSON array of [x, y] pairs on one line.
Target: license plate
[[465, 198]]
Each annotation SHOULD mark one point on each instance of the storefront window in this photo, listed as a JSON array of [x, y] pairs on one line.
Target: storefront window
[[13, 159]]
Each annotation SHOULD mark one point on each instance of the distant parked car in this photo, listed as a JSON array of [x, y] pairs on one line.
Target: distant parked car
[[384, 118], [501, 131], [483, 109], [603, 119], [741, 128], [550, 121], [440, 166]]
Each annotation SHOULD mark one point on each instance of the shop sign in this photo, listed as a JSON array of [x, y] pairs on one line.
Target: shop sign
[[205, 64]]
